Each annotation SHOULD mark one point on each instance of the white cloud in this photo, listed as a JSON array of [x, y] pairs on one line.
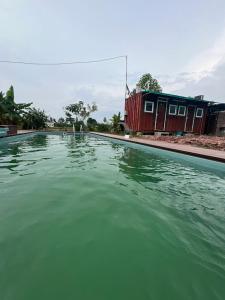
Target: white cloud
[[207, 62], [212, 86], [54, 32], [204, 65]]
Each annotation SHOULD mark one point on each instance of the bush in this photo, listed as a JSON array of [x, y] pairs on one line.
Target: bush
[[103, 127]]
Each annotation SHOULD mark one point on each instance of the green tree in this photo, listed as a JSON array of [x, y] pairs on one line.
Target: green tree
[[80, 111], [34, 119], [91, 124], [11, 112], [61, 122], [2, 106], [116, 123], [69, 118], [103, 127], [147, 82]]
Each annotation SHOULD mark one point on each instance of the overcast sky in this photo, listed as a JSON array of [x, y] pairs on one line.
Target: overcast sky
[[180, 42]]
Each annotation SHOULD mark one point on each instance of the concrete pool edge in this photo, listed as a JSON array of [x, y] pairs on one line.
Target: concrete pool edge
[[209, 154], [18, 134]]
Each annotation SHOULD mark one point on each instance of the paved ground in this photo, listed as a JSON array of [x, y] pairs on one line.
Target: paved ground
[[201, 141], [185, 149]]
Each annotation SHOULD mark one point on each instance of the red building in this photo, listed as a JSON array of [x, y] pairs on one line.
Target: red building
[[149, 112]]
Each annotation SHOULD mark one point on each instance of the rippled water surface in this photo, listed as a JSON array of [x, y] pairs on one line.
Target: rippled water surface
[[85, 218]]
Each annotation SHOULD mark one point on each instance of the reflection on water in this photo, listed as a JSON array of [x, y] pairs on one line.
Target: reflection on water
[[147, 168], [80, 151], [84, 218], [38, 141], [175, 180], [14, 154]]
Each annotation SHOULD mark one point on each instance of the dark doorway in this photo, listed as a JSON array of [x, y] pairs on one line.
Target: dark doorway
[[190, 119], [161, 115]]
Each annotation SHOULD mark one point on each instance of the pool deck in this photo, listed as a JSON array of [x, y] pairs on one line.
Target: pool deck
[[184, 149]]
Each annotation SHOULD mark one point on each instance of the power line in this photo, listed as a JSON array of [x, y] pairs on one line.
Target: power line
[[62, 63], [69, 63]]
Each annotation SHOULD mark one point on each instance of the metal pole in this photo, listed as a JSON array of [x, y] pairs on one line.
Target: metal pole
[[126, 78]]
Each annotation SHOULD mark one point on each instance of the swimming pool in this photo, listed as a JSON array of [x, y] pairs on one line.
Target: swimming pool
[[90, 218]]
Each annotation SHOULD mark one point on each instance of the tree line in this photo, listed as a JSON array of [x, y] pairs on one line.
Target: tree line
[[25, 116], [79, 115]]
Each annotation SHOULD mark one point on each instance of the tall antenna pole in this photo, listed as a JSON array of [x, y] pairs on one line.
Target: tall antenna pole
[[126, 78]]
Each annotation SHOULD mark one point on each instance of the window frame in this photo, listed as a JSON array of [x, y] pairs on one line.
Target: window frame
[[178, 112], [148, 111], [199, 109], [172, 114]]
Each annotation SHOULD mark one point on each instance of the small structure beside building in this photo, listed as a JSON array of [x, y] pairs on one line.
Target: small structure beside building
[[215, 122], [150, 112], [6, 130]]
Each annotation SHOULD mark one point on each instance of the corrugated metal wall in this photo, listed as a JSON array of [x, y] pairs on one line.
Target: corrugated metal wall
[[138, 120]]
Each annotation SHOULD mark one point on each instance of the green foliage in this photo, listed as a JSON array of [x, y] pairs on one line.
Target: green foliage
[[2, 106], [103, 127], [11, 112], [61, 123], [79, 125], [34, 119], [91, 124], [79, 111], [91, 121], [69, 118], [115, 123], [147, 82]]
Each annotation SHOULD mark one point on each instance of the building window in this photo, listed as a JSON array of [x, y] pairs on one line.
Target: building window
[[182, 111], [149, 106], [172, 109], [199, 113]]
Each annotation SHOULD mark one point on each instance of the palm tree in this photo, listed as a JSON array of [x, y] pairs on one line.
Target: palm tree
[[11, 112]]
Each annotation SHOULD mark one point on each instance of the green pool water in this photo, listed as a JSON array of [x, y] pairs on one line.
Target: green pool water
[[89, 218]]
